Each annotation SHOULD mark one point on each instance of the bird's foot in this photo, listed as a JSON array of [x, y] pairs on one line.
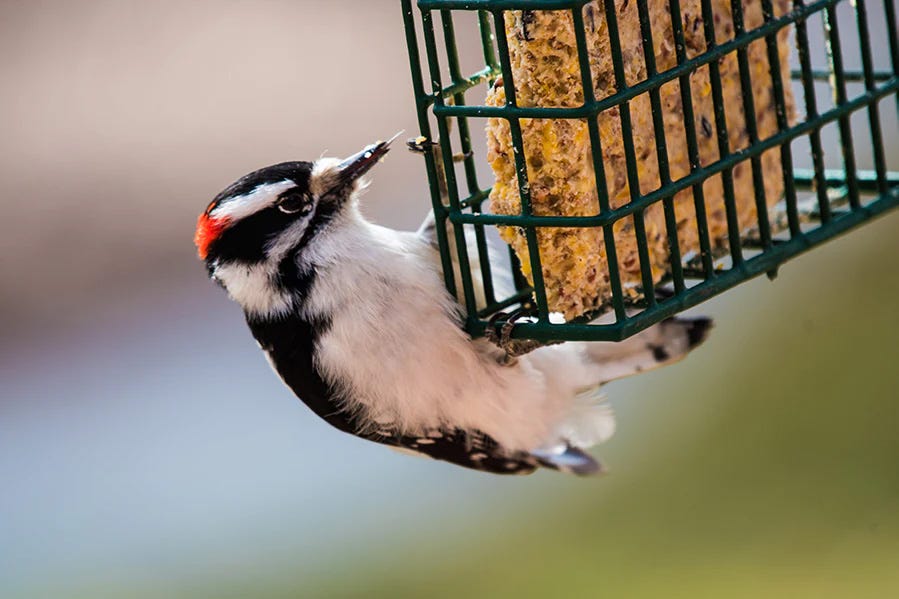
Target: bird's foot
[[421, 144], [501, 335]]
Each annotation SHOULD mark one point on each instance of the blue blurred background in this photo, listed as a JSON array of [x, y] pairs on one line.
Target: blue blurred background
[[147, 451]]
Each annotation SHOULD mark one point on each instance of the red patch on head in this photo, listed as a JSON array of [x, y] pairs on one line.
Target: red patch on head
[[208, 230]]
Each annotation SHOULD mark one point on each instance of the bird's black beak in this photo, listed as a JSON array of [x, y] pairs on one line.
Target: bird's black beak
[[360, 163]]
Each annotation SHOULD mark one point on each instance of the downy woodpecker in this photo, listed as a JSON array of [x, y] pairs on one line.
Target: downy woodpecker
[[356, 320]]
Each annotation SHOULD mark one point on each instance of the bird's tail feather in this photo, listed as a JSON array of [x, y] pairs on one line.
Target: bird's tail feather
[[589, 420], [662, 344], [568, 459]]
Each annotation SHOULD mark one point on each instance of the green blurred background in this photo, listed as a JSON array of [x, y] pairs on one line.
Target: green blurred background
[[766, 465], [147, 451]]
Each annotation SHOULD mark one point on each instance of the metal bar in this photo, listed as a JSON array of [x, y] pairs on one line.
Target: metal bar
[[449, 40], [517, 277], [516, 298], [847, 183], [715, 52], [864, 36], [471, 176], [758, 184], [473, 80], [686, 95], [599, 173], [889, 9], [867, 180], [849, 76], [491, 72], [487, 44], [524, 190], [835, 56], [661, 144], [697, 176], [630, 159], [487, 74], [490, 60], [493, 69], [422, 101], [780, 110], [448, 171], [811, 112], [752, 267], [475, 199], [808, 215], [498, 5], [727, 180]]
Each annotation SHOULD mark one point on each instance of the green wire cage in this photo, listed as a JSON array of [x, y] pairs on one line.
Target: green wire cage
[[846, 112]]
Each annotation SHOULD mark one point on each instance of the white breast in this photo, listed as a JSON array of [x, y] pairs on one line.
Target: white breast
[[398, 352], [251, 286]]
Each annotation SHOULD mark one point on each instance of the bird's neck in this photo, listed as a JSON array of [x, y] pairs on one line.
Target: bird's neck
[[255, 287], [278, 286], [289, 342]]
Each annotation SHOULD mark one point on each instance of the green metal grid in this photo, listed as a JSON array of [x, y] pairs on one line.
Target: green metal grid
[[840, 199]]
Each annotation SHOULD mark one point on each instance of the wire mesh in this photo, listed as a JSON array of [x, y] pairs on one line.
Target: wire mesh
[[825, 191]]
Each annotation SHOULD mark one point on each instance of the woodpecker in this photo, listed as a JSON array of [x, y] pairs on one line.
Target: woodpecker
[[356, 320]]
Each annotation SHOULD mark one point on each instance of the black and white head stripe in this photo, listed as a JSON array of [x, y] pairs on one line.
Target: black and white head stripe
[[259, 189], [253, 234], [276, 210], [259, 198], [245, 218]]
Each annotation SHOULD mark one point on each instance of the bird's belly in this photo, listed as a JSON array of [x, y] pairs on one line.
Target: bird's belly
[[422, 373]]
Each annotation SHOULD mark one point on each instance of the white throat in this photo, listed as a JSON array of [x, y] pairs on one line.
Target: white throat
[[253, 287]]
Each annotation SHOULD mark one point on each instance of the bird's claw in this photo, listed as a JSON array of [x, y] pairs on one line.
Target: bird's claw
[[502, 336], [421, 144]]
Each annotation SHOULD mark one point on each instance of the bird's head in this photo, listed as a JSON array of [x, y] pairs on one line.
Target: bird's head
[[258, 226]]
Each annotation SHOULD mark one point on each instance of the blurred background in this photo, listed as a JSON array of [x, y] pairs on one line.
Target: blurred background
[[147, 451]]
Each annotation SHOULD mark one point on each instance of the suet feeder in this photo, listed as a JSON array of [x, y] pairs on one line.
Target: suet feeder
[[708, 127]]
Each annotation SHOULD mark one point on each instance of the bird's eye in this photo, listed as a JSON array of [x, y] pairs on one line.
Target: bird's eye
[[295, 203]]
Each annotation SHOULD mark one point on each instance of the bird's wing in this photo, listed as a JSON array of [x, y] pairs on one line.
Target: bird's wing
[[478, 451], [500, 269], [427, 231], [468, 449]]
